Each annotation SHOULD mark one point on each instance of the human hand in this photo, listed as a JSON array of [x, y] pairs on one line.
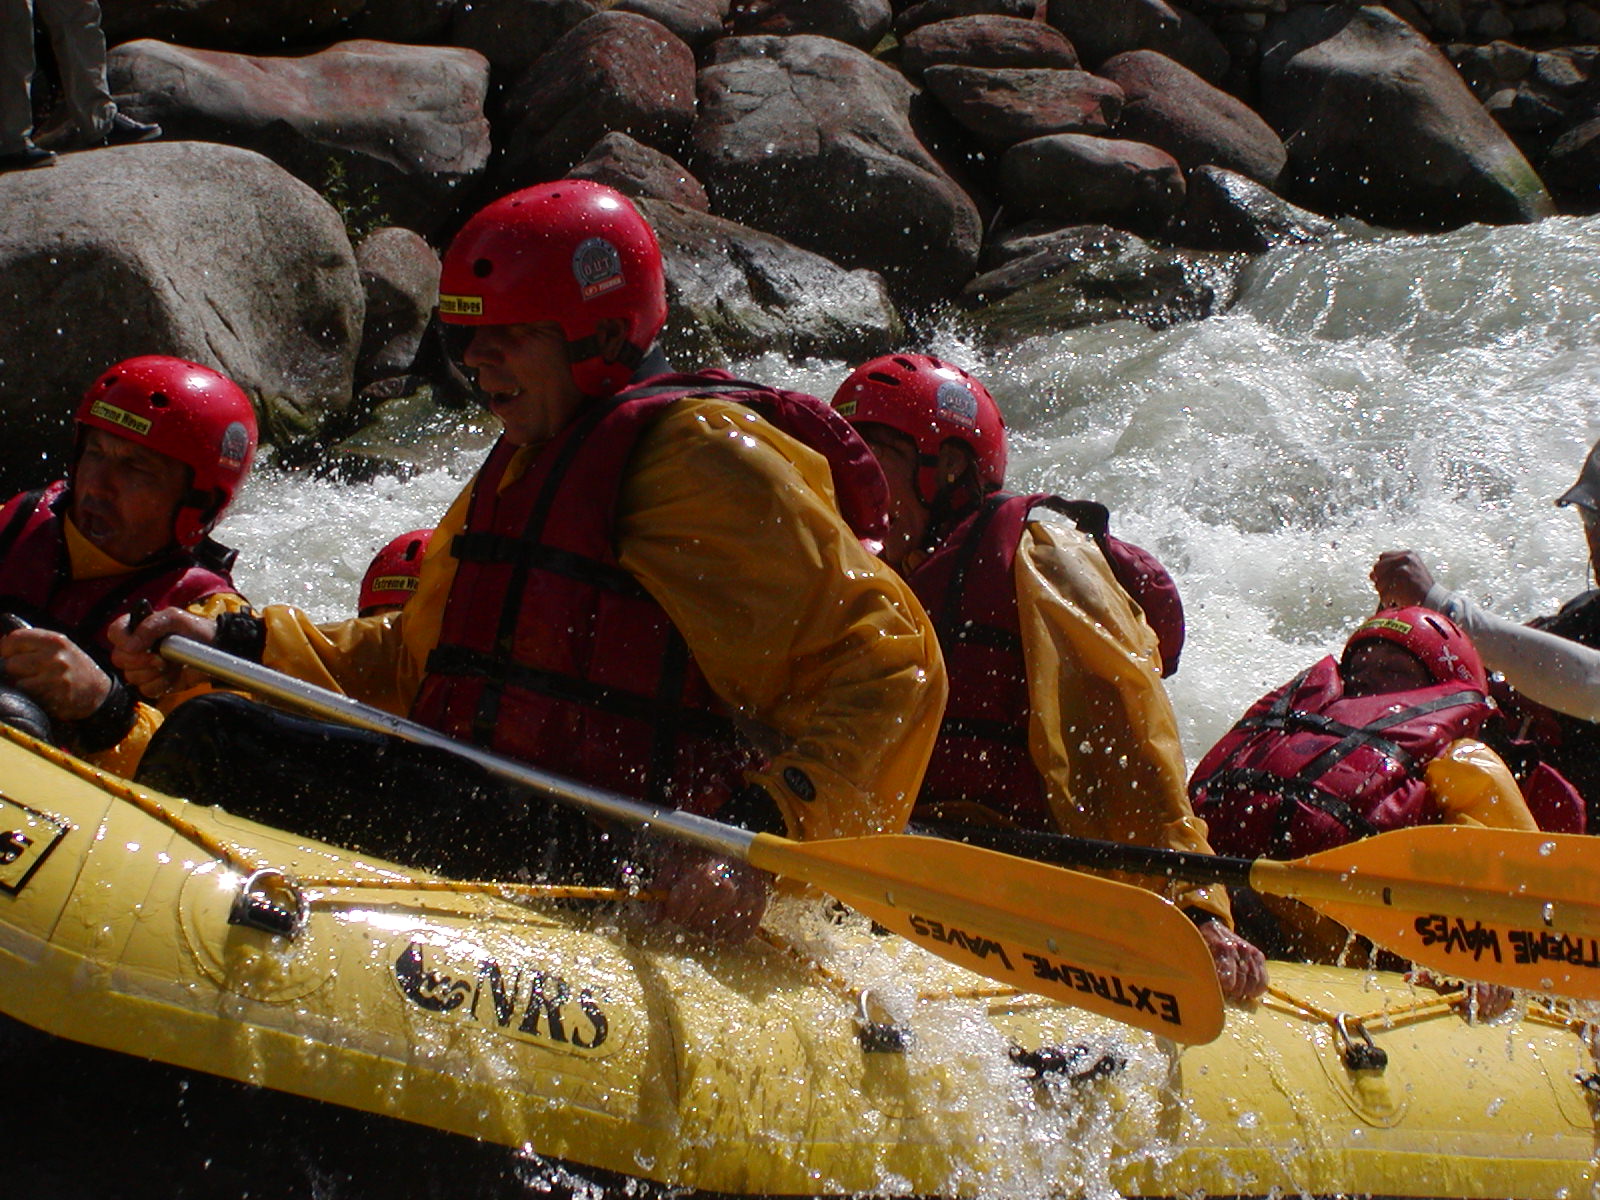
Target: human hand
[[1401, 579], [1241, 968], [56, 672], [708, 894], [1480, 1001], [133, 647]]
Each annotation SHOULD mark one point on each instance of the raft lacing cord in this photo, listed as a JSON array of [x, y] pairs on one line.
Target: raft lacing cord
[[231, 855], [1382, 1018]]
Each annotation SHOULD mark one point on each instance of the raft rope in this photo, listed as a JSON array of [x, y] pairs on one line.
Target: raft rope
[[231, 856]]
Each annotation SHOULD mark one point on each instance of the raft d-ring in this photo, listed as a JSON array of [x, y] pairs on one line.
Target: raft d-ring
[[1589, 1081], [270, 901], [1360, 1053], [879, 1037]]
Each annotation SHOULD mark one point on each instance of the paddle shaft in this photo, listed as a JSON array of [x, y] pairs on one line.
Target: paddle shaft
[[726, 840]]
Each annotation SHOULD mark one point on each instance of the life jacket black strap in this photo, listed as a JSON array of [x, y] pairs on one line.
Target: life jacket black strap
[[502, 549], [1007, 732]]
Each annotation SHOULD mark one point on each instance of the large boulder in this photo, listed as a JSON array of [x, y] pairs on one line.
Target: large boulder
[[400, 279], [734, 292], [1075, 179], [1379, 125], [230, 24], [202, 251], [402, 125], [1005, 105], [1102, 28], [812, 140], [1223, 210], [914, 16], [985, 40], [615, 73], [636, 170], [1169, 106], [697, 22], [861, 23]]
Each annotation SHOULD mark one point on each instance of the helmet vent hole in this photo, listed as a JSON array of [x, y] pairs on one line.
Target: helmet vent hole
[[882, 377], [482, 268], [159, 400], [905, 363]]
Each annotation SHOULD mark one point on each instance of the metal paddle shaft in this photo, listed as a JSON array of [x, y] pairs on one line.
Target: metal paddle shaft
[[1504, 906], [1116, 950]]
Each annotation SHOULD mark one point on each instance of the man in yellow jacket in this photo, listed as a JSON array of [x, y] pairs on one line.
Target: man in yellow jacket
[[161, 447], [648, 586], [1058, 720]]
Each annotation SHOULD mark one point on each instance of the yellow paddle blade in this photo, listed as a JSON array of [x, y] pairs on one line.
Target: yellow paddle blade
[[1112, 949], [1501, 906]]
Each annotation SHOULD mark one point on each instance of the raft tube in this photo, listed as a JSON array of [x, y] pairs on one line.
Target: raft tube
[[824, 1059]]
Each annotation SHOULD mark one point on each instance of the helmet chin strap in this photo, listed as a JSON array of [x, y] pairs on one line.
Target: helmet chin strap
[[954, 498]]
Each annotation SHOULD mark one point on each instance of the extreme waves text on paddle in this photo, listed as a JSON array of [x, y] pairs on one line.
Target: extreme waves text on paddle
[[1527, 946]]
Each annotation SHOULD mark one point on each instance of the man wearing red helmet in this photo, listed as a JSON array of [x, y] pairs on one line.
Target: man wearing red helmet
[[648, 586], [1382, 738], [1057, 716], [162, 446]]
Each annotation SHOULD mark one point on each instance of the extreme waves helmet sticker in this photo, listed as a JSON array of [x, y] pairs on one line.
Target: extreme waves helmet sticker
[[597, 267]]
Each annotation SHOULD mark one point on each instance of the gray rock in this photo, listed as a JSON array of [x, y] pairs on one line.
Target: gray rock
[[735, 291], [985, 41], [1079, 180], [1224, 210], [1006, 105], [1573, 164], [394, 128], [202, 251], [400, 279], [1102, 28], [1171, 107], [1085, 275], [636, 170], [812, 140], [1379, 125], [615, 73], [513, 34], [859, 23], [928, 11], [697, 23]]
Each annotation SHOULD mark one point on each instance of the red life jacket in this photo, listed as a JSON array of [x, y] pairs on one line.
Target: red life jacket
[[36, 574], [552, 653], [969, 592], [1308, 768]]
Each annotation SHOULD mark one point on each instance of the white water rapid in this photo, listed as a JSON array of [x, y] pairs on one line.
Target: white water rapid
[[1376, 392]]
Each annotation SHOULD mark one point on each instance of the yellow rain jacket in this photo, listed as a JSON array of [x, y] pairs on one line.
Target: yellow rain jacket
[[88, 561], [821, 652], [1102, 734]]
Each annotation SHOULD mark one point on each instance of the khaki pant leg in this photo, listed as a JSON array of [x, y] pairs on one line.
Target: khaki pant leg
[[80, 47], [16, 74]]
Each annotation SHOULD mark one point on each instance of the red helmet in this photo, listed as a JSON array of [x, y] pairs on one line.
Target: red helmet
[[574, 252], [392, 576], [187, 412], [932, 402], [1432, 639]]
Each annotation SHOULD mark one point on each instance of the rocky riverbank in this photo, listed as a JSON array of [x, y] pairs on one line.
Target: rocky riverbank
[[823, 173]]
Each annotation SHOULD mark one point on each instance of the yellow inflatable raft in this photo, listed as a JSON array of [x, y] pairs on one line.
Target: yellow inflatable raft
[[824, 1060]]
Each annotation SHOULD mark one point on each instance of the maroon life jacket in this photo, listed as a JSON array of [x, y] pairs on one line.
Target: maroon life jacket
[[969, 592], [36, 574], [1308, 768], [551, 652]]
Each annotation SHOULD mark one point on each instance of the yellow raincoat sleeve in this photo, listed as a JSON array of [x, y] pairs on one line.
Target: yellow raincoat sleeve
[[1102, 733], [823, 653], [123, 758], [1472, 785]]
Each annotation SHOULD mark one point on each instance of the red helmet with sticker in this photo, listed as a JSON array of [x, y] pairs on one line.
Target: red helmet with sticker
[[574, 252], [391, 578], [931, 402], [187, 412], [1433, 639]]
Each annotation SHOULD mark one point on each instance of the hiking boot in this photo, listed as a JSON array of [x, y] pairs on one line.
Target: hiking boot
[[124, 130], [29, 156]]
